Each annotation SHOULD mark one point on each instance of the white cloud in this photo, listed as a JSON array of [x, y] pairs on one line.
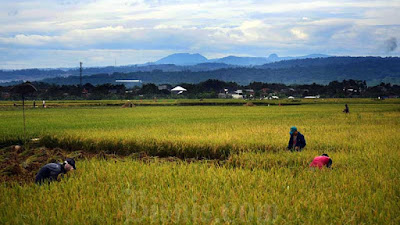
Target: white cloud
[[211, 27], [299, 33], [165, 26], [43, 58], [28, 40]]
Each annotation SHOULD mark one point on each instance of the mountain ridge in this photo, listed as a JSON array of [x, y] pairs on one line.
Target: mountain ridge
[[338, 67], [193, 62], [373, 70], [182, 59]]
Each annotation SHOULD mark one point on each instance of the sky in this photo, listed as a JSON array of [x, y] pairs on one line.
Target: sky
[[61, 33]]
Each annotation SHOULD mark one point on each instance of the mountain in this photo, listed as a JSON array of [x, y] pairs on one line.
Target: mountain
[[319, 61], [30, 74], [39, 74], [183, 59], [192, 59], [373, 70], [275, 58], [313, 56], [241, 61], [174, 62]]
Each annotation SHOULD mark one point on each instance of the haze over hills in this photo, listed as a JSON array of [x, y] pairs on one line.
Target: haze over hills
[[373, 70], [193, 59], [290, 71], [39, 74], [174, 62]]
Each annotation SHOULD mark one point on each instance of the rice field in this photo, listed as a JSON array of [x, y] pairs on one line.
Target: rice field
[[241, 172]]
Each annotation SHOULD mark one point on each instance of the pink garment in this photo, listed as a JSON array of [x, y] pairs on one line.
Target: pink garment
[[320, 161]]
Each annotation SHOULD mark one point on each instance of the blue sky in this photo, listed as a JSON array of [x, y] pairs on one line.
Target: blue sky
[[60, 33]]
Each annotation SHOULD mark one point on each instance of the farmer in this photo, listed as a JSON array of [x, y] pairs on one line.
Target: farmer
[[296, 141], [51, 171], [346, 109], [321, 161]]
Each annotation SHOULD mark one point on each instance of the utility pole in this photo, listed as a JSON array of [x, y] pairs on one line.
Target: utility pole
[[80, 75]]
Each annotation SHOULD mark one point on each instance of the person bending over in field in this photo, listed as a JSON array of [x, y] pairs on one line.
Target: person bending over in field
[[51, 171], [346, 109], [321, 161], [296, 141]]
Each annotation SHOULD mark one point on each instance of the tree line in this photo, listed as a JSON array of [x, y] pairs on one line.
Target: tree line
[[208, 89]]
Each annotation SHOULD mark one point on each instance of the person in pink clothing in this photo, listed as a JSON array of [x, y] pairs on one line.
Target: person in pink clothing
[[321, 161]]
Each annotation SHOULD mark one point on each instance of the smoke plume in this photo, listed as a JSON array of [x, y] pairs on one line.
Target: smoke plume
[[391, 44]]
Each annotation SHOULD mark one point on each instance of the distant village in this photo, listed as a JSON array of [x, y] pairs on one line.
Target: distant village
[[130, 89]]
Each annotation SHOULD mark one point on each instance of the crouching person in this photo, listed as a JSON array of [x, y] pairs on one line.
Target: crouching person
[[297, 141], [51, 171], [321, 161]]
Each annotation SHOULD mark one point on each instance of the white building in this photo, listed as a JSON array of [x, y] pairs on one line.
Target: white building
[[238, 94], [312, 97], [178, 90], [273, 97], [129, 83]]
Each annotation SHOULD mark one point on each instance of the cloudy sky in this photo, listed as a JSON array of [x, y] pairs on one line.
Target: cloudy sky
[[60, 33]]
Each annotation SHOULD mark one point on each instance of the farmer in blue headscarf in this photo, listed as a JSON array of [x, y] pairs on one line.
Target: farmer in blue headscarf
[[51, 171], [297, 141]]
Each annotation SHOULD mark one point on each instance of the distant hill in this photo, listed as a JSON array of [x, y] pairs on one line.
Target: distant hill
[[374, 70], [241, 61], [342, 60], [30, 74], [312, 56], [174, 62], [39, 74], [253, 61], [183, 59], [292, 71], [275, 58]]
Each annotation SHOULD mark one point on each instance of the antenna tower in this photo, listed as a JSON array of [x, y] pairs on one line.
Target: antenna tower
[[80, 74]]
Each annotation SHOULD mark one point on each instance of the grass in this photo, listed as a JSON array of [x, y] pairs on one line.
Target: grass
[[255, 180]]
